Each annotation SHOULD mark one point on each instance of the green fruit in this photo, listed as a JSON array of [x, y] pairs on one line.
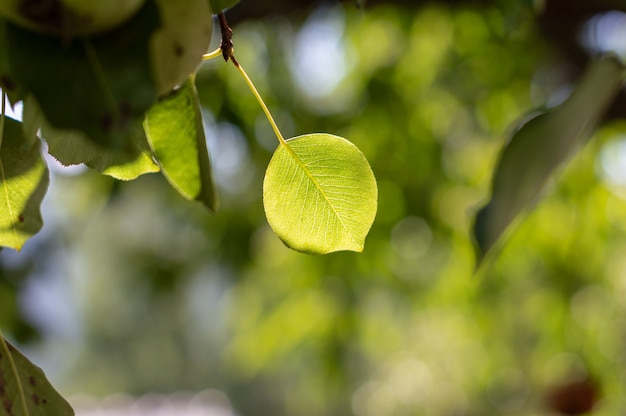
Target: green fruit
[[69, 17]]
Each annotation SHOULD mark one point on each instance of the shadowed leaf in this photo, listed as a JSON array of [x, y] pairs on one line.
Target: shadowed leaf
[[178, 45], [71, 147], [100, 85]]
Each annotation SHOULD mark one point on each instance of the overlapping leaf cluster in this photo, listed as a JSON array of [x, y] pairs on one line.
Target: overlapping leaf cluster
[[121, 101]]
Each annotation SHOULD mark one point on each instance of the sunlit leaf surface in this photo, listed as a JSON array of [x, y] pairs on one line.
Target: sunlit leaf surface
[[320, 194], [176, 134], [24, 389], [23, 184], [540, 146]]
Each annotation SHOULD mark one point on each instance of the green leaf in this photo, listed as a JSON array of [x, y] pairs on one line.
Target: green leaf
[[100, 85], [32, 119], [320, 194], [23, 184], [24, 388], [220, 5], [8, 84], [177, 47], [176, 135], [542, 145], [71, 147]]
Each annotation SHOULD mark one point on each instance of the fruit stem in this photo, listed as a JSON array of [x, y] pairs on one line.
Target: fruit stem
[[212, 55]]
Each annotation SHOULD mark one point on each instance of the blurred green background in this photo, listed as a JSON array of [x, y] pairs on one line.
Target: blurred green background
[[131, 289]]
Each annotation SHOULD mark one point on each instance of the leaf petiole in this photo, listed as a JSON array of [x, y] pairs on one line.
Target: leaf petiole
[[212, 55], [280, 137]]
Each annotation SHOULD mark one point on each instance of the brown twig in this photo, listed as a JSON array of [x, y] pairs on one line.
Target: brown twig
[[228, 52]]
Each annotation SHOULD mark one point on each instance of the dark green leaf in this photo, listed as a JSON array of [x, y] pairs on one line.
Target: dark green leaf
[[24, 388], [176, 135], [100, 85], [69, 18], [540, 146], [8, 84], [23, 184]]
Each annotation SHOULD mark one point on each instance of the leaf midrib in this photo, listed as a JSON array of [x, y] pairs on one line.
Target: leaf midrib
[[18, 380]]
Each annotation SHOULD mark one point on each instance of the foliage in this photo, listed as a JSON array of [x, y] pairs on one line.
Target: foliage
[[171, 298], [90, 94]]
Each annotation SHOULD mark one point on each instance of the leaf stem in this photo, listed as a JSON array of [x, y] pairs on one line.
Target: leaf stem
[[228, 52], [212, 55], [280, 137], [4, 347]]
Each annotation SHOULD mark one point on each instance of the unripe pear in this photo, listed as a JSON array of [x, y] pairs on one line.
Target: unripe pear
[[69, 17]]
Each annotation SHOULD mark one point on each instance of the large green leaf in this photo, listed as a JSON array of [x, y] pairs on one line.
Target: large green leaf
[[71, 147], [320, 194], [8, 84], [23, 184], [176, 135], [184, 36], [100, 85], [540, 146], [24, 388], [220, 5]]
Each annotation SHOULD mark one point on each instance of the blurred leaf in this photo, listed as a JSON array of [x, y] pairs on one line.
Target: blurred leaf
[[320, 194], [176, 135], [178, 45], [540, 146], [24, 388], [219, 5], [70, 18], [100, 85], [71, 147], [23, 184]]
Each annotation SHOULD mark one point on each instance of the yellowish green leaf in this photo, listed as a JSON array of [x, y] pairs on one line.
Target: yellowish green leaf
[[23, 184], [176, 135], [320, 194]]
